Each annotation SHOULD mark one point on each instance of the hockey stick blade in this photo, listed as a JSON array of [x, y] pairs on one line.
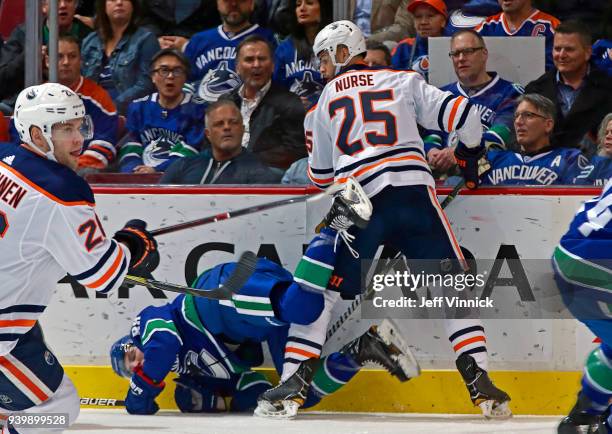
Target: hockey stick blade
[[329, 191], [244, 269]]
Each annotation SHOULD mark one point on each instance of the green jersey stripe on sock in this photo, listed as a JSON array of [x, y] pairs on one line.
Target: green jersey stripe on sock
[[324, 380], [312, 273], [598, 372]]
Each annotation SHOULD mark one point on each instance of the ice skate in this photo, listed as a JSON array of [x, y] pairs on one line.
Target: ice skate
[[492, 401], [284, 400], [383, 346], [579, 421], [351, 206]]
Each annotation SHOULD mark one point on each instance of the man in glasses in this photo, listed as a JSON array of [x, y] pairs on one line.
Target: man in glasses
[[538, 163], [494, 97], [166, 125]]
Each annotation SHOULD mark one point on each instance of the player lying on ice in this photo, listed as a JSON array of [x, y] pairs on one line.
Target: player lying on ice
[[212, 345]]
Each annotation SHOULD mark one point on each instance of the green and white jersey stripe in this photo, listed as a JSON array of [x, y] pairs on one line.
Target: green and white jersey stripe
[[159, 325], [577, 270], [250, 305]]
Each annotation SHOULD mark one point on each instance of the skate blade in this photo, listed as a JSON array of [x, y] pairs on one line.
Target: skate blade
[[267, 410], [494, 410], [389, 334]]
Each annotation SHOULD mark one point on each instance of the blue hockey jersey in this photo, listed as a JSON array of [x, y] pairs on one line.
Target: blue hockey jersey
[[300, 76], [598, 172], [158, 136], [602, 55], [212, 54], [537, 24], [495, 103], [413, 54], [556, 166]]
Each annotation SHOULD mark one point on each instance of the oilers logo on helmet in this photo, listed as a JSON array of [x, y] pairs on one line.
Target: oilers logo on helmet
[[218, 81]]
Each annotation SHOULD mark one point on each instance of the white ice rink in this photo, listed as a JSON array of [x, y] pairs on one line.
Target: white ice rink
[[117, 421]]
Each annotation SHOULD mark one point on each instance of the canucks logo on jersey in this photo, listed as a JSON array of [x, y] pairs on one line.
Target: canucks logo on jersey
[[218, 81], [158, 148], [307, 86]]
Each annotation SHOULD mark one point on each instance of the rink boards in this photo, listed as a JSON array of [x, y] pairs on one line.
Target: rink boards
[[535, 360]]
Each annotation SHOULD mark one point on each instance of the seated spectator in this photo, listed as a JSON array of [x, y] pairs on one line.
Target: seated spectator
[[520, 18], [118, 54], [12, 61], [295, 66], [174, 22], [212, 53], [166, 125], [226, 161], [273, 117], [538, 163], [494, 97], [378, 54], [595, 14], [470, 14], [581, 92], [602, 55], [297, 174], [381, 20], [600, 169], [429, 20]]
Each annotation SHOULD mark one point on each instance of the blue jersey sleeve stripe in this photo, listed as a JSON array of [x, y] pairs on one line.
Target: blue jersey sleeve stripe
[[442, 110], [30, 308], [375, 158], [86, 274], [112, 283], [10, 336], [464, 115]]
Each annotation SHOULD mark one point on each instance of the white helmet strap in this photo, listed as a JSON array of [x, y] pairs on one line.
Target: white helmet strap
[[50, 154]]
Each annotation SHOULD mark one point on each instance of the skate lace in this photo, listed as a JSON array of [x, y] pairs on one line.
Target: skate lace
[[348, 239]]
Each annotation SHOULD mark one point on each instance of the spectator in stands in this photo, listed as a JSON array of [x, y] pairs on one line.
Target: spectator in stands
[[538, 163], [470, 14], [429, 20], [297, 174], [12, 63], [381, 20], [602, 55], [295, 65], [118, 54], [100, 151], [166, 125], [595, 14], [226, 161], [273, 117], [494, 97], [212, 53], [520, 18], [600, 169], [174, 22], [378, 54], [581, 92]]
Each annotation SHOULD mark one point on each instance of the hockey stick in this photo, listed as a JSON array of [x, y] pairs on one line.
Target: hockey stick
[[248, 210], [389, 266], [244, 269]]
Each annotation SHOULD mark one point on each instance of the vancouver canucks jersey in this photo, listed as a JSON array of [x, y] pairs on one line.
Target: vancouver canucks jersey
[[537, 24], [300, 76], [48, 227], [158, 136], [598, 172], [212, 54], [413, 54], [602, 55], [556, 166], [495, 103]]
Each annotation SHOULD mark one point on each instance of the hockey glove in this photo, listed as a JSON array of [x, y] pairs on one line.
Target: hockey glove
[[193, 397], [142, 394], [467, 160], [142, 245]]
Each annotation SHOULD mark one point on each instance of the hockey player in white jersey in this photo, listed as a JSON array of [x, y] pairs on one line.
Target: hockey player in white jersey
[[49, 227], [365, 126]]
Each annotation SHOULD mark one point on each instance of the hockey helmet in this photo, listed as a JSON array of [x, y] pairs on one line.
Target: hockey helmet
[[117, 356], [340, 33], [45, 105]]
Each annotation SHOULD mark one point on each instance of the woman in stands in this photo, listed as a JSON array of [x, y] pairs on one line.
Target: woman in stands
[[294, 63], [600, 169], [118, 54]]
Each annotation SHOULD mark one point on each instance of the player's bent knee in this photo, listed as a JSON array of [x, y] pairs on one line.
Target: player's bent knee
[[298, 306]]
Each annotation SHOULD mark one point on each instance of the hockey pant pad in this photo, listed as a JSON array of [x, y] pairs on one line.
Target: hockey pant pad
[[141, 396], [193, 397]]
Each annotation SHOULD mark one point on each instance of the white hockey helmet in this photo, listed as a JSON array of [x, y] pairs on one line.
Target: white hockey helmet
[[45, 105], [340, 33]]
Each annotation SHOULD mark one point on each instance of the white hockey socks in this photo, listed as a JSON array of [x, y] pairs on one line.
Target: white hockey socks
[[468, 336]]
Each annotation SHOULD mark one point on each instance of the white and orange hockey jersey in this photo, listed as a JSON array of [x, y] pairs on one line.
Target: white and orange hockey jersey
[[48, 227], [365, 125]]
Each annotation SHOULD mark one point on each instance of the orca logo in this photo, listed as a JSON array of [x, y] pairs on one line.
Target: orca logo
[[217, 82], [49, 358], [4, 399], [31, 94], [307, 86]]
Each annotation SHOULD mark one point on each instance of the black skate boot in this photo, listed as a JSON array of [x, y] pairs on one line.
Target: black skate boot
[[284, 400], [579, 421], [492, 401], [351, 206], [382, 345]]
